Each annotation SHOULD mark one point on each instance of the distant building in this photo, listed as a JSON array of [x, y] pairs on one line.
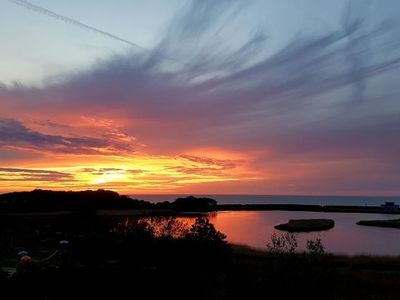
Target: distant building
[[390, 206]]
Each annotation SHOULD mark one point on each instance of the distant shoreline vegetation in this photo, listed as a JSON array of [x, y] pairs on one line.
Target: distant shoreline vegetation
[[51, 201], [46, 201]]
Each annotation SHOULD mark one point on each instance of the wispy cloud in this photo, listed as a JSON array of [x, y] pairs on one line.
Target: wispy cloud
[[105, 171], [238, 80], [16, 135], [19, 174], [71, 21], [221, 163]]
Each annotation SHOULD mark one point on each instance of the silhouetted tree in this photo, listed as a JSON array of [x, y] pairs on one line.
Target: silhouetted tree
[[202, 229], [166, 227], [195, 204]]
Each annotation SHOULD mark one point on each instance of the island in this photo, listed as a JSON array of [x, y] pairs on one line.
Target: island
[[306, 225], [394, 223]]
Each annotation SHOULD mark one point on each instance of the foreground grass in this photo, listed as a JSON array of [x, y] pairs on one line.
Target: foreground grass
[[321, 277], [174, 269]]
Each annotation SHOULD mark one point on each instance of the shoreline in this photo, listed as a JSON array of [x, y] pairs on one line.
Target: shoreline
[[306, 207], [244, 249]]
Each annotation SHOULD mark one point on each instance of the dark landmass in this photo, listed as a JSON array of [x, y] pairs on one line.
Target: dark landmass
[[381, 223], [195, 204], [39, 201], [306, 225], [43, 201], [359, 209], [291, 207], [306, 207]]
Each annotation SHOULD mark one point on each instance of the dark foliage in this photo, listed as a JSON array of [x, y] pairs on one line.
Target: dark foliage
[[195, 204], [203, 230], [153, 254], [43, 200], [86, 201]]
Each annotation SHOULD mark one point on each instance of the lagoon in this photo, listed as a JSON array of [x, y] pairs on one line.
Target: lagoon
[[254, 228]]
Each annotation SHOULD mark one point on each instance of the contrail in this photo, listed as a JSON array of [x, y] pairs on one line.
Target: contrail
[[52, 14]]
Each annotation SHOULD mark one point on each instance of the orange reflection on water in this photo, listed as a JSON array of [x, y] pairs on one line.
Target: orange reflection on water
[[240, 226], [255, 229]]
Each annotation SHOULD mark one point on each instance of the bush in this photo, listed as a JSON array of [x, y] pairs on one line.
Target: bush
[[166, 227], [153, 227], [203, 230], [315, 247], [282, 243]]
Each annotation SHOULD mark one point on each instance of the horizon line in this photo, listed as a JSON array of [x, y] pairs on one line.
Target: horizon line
[[209, 194]]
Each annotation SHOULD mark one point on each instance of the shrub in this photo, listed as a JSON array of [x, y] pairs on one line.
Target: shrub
[[315, 247], [282, 243], [203, 230], [166, 227], [154, 227]]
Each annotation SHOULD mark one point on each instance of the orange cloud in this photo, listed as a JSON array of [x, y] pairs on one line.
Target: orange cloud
[[105, 158]]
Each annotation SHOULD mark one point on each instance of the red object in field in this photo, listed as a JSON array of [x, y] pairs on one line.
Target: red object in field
[[25, 260]]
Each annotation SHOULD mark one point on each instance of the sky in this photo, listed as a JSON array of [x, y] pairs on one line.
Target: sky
[[202, 97]]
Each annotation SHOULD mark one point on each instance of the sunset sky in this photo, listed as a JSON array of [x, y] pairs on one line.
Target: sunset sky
[[230, 97]]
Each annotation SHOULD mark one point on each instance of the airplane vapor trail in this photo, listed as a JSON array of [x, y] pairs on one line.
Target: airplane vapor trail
[[52, 14]]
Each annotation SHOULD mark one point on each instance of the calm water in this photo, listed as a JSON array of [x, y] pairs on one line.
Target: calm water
[[265, 199], [254, 228]]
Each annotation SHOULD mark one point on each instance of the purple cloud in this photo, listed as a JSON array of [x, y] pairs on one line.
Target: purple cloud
[[14, 134]]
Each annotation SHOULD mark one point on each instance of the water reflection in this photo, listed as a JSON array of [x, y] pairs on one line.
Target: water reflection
[[255, 229]]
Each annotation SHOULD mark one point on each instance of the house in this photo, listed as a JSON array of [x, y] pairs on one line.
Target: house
[[390, 206]]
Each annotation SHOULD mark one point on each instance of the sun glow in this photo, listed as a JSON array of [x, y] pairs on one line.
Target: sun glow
[[110, 177], [139, 173]]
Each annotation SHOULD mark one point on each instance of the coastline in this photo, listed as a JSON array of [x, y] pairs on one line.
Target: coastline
[[306, 207]]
